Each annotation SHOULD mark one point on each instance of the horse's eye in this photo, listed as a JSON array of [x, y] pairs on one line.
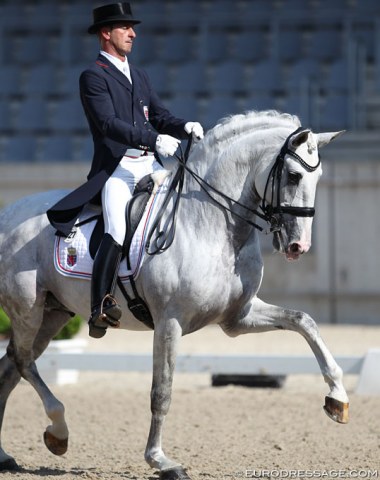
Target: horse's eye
[[294, 178]]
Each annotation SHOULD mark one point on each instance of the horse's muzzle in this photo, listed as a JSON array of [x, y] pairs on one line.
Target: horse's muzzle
[[294, 251]]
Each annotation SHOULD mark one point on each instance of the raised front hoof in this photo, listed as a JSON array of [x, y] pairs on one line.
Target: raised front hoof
[[177, 473], [336, 410], [9, 465], [54, 444]]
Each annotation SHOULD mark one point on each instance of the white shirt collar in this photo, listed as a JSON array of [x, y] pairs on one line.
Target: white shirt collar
[[119, 64]]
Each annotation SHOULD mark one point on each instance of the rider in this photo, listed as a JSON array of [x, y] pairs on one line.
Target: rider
[[129, 126]]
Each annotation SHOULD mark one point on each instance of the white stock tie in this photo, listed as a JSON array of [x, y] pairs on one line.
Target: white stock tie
[[126, 71]]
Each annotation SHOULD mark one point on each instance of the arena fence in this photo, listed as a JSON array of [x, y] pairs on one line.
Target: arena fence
[[60, 365]]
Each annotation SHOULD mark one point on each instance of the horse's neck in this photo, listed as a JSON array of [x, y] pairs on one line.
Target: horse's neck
[[232, 178]]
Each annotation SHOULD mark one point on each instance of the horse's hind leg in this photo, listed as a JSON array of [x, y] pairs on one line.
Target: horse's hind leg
[[262, 317], [9, 378], [56, 434]]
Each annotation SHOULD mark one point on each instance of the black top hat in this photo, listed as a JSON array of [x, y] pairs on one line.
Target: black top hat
[[112, 13]]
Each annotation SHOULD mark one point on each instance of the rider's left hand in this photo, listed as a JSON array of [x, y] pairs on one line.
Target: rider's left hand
[[195, 129]]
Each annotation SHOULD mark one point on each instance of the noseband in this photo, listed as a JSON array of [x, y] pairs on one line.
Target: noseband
[[273, 213]]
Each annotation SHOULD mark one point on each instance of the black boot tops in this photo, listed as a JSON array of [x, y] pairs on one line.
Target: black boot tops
[[105, 311]]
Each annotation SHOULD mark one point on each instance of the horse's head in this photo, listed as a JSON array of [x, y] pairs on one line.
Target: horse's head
[[288, 190]]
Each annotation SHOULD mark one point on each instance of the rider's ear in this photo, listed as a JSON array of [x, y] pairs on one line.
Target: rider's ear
[[299, 138]]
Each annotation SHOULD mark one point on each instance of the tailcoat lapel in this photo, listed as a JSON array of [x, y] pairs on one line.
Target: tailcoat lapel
[[110, 68]]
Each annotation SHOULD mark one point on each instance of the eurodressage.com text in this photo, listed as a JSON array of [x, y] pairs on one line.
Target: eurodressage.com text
[[328, 474]]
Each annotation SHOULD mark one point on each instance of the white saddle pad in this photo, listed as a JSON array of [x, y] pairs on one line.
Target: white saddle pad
[[72, 257]]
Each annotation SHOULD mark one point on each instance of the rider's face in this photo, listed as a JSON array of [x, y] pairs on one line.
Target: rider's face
[[119, 38]]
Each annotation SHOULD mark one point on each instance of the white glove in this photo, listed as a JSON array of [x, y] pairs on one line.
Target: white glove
[[166, 145], [195, 129]]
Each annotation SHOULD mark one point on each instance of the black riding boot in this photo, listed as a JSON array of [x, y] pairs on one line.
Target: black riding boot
[[105, 311]]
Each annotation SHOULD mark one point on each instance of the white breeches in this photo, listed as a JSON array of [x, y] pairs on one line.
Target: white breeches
[[118, 190]]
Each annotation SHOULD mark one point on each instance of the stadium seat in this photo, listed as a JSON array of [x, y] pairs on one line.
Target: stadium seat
[[84, 148], [222, 13], [151, 13], [214, 46], [217, 107], [259, 101], [363, 36], [68, 116], [183, 106], [342, 5], [44, 15], [176, 47], [266, 76], [257, 12], [40, 79], [10, 80], [190, 78], [334, 113], [250, 46], [159, 76], [228, 77], [290, 45], [19, 148], [32, 114], [338, 78], [68, 83], [144, 49], [77, 15], [5, 115], [11, 12], [326, 45], [183, 13], [300, 104], [368, 6], [56, 148], [84, 48], [29, 49], [306, 70]]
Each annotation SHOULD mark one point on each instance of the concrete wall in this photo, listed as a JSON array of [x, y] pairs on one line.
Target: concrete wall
[[339, 279]]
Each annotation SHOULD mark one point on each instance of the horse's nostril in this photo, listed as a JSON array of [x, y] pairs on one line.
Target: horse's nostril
[[295, 248]]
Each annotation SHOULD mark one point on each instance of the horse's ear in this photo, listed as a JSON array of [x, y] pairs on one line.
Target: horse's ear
[[325, 138], [300, 138]]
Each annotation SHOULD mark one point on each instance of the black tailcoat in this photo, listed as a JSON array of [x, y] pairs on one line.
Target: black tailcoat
[[120, 116]]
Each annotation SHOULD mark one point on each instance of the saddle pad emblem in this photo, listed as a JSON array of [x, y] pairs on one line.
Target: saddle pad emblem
[[74, 260], [71, 258]]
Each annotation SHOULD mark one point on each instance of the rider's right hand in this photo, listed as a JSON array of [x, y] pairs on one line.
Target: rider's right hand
[[166, 145]]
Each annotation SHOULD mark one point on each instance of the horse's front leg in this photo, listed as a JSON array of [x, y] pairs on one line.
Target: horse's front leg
[[166, 337], [259, 316]]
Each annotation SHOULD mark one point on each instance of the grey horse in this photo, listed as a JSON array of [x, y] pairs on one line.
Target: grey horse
[[211, 273]]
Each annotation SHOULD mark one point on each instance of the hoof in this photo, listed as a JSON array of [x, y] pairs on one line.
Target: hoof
[[54, 444], [336, 410], [9, 465], [177, 473]]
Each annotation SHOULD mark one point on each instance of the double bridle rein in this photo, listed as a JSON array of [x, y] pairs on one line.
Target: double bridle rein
[[272, 212]]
